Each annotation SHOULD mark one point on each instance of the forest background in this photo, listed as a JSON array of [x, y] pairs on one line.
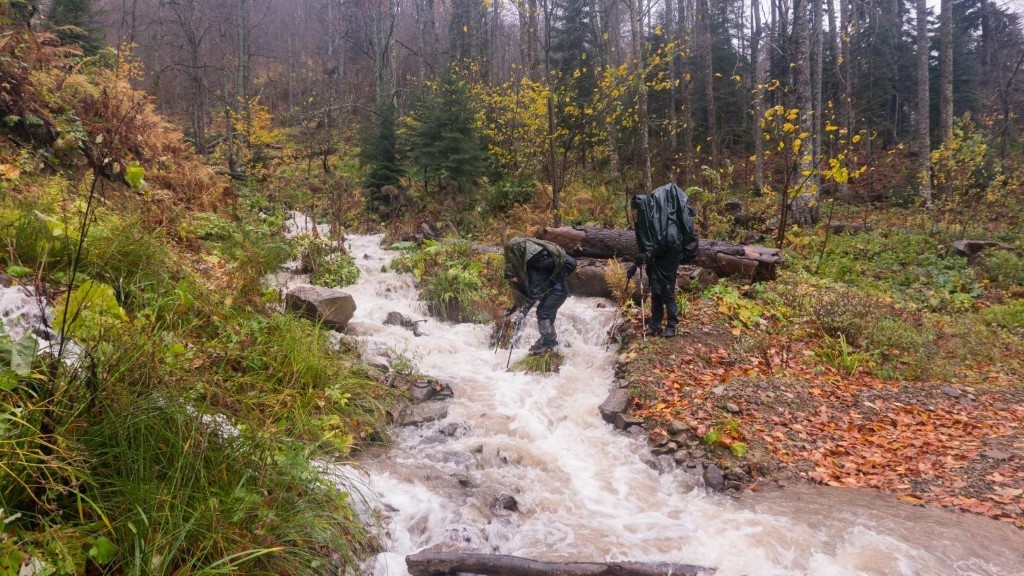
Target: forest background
[[152, 148], [621, 96]]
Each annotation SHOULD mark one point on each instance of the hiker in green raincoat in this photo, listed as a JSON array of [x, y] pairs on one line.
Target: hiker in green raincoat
[[536, 271], [665, 237]]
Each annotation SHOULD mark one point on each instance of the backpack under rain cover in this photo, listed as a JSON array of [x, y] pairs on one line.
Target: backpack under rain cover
[[665, 220]]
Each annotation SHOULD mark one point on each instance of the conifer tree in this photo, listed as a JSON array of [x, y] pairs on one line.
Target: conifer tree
[[74, 22], [446, 146], [574, 59], [17, 12], [379, 153], [572, 46]]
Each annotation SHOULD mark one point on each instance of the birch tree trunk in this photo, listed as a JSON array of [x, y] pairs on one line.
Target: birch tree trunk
[[804, 208], [946, 72], [923, 107], [703, 22], [636, 33], [760, 78]]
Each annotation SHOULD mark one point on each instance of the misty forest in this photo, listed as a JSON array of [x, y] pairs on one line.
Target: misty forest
[[262, 287]]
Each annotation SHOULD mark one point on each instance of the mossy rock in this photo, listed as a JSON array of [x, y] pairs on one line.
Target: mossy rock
[[547, 363]]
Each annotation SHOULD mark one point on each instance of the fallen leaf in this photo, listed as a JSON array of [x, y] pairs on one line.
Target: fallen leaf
[[9, 172]]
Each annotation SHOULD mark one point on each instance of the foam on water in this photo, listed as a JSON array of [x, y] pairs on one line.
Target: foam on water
[[23, 312]]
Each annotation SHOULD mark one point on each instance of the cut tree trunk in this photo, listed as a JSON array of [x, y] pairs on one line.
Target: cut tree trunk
[[444, 563], [590, 280], [971, 248], [723, 258]]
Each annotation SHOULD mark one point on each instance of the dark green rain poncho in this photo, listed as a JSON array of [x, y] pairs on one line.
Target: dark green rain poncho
[[664, 230], [518, 251]]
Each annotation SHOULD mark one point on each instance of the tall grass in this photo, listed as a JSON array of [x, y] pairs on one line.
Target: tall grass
[[190, 494], [181, 441]]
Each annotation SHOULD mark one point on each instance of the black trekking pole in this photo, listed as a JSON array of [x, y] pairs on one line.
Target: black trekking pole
[[643, 320], [512, 341]]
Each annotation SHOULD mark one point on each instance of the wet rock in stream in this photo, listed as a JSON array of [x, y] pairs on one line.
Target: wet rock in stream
[[428, 388], [615, 404], [416, 414], [332, 308], [505, 502], [399, 319], [713, 478]]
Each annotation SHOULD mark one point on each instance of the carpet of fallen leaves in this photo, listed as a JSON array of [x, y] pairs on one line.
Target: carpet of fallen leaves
[[926, 443]]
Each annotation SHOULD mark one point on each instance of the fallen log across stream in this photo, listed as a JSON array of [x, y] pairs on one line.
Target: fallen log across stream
[[447, 563], [590, 279], [757, 263]]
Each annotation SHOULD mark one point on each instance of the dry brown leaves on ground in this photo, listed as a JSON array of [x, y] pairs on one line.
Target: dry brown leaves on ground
[[933, 444]]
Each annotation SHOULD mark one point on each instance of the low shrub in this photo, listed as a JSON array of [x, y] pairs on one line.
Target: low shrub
[[335, 271], [457, 283], [1002, 268], [744, 312], [136, 261], [845, 314], [209, 226], [325, 261], [283, 373], [838, 354], [904, 348], [904, 265], [547, 363], [1009, 316], [452, 291], [29, 241], [505, 195], [187, 492]]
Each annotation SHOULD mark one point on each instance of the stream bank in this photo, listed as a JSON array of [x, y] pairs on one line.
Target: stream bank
[[522, 464], [934, 444]]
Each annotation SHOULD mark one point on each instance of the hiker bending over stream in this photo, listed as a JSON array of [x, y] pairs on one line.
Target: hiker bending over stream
[[665, 236], [536, 271]]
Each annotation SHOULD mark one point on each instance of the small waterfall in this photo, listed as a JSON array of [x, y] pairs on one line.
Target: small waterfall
[[524, 465]]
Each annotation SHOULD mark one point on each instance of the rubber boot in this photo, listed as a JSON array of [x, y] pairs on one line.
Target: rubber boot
[[673, 319], [657, 311], [547, 340]]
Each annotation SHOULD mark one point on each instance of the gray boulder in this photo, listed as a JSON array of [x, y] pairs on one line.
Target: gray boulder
[[713, 478], [417, 414], [332, 308], [614, 405]]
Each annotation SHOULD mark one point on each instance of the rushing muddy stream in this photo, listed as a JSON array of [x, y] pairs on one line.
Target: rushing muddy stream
[[581, 491]]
